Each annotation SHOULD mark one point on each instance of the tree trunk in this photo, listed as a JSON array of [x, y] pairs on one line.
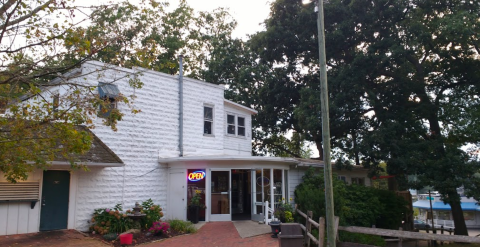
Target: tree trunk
[[458, 219]]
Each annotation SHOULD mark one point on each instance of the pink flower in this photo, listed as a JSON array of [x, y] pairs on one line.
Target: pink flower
[[107, 210]]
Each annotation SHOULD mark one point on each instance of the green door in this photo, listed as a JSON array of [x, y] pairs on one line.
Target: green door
[[54, 210]]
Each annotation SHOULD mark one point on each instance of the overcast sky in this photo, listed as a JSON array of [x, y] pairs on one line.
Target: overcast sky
[[248, 13]]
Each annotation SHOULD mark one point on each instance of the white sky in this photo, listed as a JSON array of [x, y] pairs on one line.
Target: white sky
[[248, 13]]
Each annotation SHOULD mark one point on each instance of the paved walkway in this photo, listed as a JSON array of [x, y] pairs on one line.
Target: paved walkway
[[64, 238], [214, 234]]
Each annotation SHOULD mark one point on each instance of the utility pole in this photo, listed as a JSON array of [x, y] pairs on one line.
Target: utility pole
[[325, 128]]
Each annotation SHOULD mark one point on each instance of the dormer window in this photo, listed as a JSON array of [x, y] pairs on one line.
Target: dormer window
[[109, 93], [207, 120], [235, 125]]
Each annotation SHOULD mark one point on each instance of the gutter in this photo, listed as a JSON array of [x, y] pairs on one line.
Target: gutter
[[180, 103]]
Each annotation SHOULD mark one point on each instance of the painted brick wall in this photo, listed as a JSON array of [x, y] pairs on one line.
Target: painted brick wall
[[142, 137]]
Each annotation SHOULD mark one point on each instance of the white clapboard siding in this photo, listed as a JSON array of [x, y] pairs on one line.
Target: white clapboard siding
[[16, 214]]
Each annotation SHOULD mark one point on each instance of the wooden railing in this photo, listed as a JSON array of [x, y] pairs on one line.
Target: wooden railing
[[401, 235], [307, 228]]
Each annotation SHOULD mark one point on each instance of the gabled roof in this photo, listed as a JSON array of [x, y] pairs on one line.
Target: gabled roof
[[98, 155]]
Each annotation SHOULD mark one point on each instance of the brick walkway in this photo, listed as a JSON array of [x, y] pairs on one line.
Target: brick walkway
[[217, 234], [64, 238]]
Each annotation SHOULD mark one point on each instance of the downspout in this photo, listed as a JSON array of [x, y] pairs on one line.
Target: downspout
[[180, 103]]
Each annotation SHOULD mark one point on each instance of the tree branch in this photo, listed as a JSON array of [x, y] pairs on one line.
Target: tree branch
[[34, 11]]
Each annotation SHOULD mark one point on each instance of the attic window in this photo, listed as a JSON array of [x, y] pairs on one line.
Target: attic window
[[109, 93]]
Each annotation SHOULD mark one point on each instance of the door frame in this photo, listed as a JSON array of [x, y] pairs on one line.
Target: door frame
[[219, 217], [48, 202], [72, 197]]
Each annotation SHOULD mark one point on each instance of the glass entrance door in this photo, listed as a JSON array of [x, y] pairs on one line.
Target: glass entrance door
[[257, 183], [220, 195]]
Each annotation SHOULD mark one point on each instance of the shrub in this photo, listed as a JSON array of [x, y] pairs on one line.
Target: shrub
[[159, 227], [181, 226], [361, 238], [106, 220], [310, 195], [153, 213], [284, 212]]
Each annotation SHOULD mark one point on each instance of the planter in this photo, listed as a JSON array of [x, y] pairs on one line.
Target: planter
[[194, 213], [276, 228], [126, 238]]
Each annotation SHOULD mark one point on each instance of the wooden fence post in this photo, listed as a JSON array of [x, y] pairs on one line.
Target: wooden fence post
[[308, 228], [337, 221], [400, 240], [321, 231]]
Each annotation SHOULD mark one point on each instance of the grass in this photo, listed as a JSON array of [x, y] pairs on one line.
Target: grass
[[183, 227]]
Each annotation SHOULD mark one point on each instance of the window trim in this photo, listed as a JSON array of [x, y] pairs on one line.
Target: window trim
[[212, 121], [235, 118]]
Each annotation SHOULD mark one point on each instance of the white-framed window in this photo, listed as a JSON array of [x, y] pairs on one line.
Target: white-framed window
[[343, 178], [208, 120], [235, 125]]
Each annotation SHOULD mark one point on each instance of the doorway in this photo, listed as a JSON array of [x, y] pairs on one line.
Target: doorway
[[54, 204], [241, 194]]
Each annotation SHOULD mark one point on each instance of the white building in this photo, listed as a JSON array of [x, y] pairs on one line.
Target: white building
[[151, 157]]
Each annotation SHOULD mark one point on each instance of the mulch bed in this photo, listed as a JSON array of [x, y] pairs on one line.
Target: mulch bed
[[143, 238]]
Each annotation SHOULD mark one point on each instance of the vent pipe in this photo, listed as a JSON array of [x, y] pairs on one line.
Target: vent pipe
[[180, 103]]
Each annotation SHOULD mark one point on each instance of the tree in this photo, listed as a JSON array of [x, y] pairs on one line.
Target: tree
[[403, 86], [43, 42]]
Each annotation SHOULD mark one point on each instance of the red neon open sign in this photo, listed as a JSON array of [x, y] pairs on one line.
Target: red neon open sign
[[196, 176]]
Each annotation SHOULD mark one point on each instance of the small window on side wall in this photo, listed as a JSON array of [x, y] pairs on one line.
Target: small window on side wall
[[56, 102], [235, 125], [109, 93], [208, 120]]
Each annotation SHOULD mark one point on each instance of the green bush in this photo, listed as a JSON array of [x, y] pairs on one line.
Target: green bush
[[394, 208], [181, 226], [106, 220], [355, 205], [310, 195], [361, 238], [362, 207], [153, 213]]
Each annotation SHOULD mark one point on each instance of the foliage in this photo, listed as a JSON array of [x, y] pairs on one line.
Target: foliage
[[403, 85], [106, 220], [362, 238], [181, 226], [44, 43], [195, 201], [393, 211], [159, 228], [363, 206], [310, 194], [110, 236], [153, 213], [355, 205], [284, 212]]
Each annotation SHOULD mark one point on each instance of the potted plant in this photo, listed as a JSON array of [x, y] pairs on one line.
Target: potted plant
[[194, 207]]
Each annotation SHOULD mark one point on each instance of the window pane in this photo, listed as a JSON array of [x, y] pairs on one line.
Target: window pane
[[241, 131], [230, 119], [231, 129], [207, 127], [208, 113], [241, 121]]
